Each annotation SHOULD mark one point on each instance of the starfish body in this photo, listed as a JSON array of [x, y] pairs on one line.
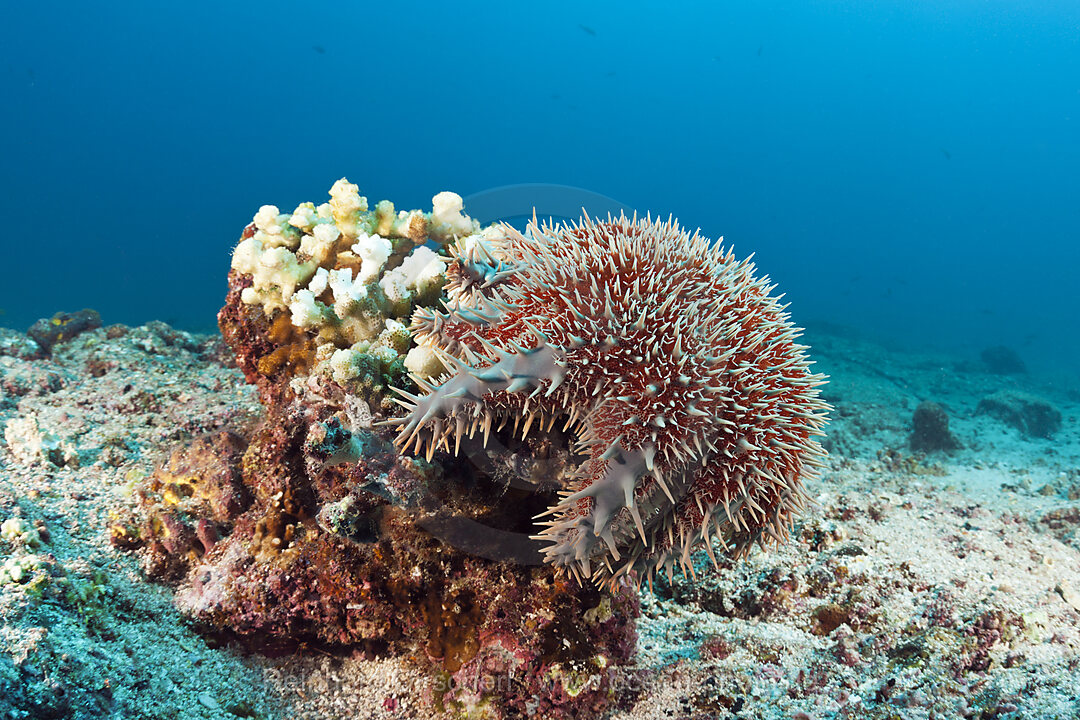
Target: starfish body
[[691, 402]]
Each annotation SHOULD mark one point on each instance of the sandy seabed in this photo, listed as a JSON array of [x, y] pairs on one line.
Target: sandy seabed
[[941, 584]]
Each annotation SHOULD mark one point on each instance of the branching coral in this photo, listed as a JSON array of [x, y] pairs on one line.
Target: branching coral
[[337, 285]]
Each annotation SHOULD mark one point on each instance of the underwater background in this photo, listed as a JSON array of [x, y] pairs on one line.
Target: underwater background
[[257, 513], [908, 169]]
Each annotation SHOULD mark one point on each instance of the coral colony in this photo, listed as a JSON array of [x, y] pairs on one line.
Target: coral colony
[[477, 441]]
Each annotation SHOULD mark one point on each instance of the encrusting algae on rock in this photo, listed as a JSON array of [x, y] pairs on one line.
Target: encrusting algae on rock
[[632, 381]]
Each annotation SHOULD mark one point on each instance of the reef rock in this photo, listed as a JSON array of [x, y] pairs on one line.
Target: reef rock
[[1002, 360], [62, 327], [686, 413], [930, 429], [312, 527], [1031, 415]]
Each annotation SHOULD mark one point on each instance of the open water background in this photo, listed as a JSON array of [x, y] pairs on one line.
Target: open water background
[[907, 168]]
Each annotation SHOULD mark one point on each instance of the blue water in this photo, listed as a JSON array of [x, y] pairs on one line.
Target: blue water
[[909, 168]]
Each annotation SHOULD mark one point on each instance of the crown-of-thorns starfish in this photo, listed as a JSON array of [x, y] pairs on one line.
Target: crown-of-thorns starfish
[[678, 372]]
